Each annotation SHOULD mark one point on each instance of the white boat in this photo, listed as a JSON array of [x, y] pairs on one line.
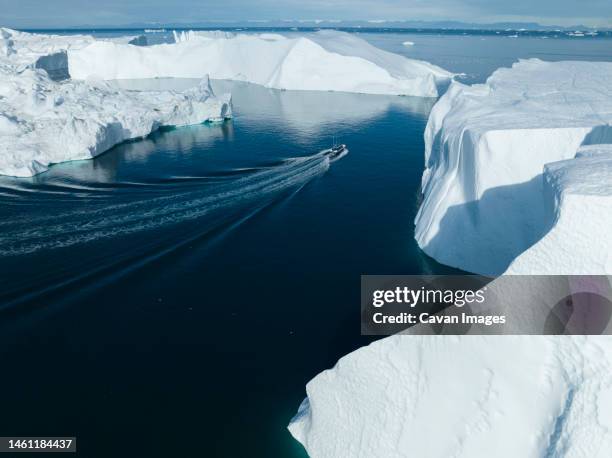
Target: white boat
[[335, 152]]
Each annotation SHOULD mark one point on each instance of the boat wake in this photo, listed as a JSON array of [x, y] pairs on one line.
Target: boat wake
[[130, 223]]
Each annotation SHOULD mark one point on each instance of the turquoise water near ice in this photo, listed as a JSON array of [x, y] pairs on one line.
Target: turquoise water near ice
[[173, 296]]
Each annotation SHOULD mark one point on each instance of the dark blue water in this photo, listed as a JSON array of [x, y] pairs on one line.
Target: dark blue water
[[173, 296]]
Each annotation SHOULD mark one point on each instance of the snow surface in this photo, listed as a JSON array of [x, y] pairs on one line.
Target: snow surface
[[44, 121], [323, 61], [486, 148], [26, 49], [580, 192], [463, 396]]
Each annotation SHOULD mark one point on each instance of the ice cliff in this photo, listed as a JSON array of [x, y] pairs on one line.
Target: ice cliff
[[579, 192], [44, 121], [323, 61], [484, 196]]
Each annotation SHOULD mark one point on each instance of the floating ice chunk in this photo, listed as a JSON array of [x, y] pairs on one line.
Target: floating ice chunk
[[408, 43], [486, 147], [327, 60]]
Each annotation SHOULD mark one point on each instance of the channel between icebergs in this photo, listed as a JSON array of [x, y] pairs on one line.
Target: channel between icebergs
[[135, 216]]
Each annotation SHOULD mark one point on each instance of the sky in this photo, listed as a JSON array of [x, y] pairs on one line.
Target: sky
[[70, 13]]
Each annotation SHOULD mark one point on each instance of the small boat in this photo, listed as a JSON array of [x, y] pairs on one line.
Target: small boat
[[335, 152]]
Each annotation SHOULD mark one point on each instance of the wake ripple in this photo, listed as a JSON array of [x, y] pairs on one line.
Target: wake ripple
[[126, 212]]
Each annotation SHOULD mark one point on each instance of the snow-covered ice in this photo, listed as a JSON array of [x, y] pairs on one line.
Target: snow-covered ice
[[49, 52], [324, 61], [438, 396], [518, 173], [26, 48], [579, 193], [44, 121], [463, 396], [486, 148]]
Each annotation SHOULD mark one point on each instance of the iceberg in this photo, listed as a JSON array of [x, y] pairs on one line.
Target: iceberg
[[50, 52], [26, 48], [43, 121], [487, 145], [518, 180], [322, 61], [469, 396]]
